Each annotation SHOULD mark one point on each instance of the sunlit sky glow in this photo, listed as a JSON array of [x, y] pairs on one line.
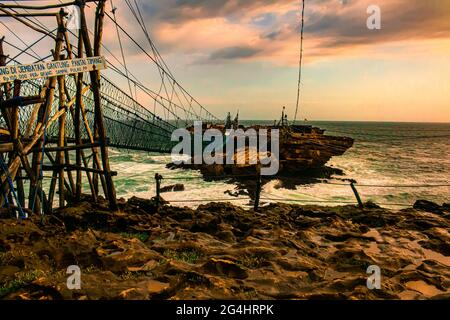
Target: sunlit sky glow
[[243, 55]]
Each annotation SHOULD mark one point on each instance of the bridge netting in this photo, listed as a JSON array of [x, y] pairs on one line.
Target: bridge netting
[[129, 124]]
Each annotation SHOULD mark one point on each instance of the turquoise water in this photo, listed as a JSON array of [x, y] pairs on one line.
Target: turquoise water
[[384, 154]]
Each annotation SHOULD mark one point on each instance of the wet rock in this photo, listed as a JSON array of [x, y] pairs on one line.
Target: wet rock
[[173, 188], [227, 236], [149, 206], [209, 226], [118, 255], [224, 268], [220, 251], [440, 245], [144, 290], [307, 222], [350, 259], [371, 205], [7, 273], [428, 206], [346, 236]]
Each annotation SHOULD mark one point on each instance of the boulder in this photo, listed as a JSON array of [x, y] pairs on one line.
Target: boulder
[[224, 268], [428, 206], [173, 188]]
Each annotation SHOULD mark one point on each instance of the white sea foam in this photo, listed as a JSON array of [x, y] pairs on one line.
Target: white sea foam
[[372, 161]]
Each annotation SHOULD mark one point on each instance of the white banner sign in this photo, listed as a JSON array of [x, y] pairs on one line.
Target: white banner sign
[[50, 69]]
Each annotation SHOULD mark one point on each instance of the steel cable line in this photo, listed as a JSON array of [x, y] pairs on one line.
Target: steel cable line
[[47, 29], [144, 27], [138, 16], [20, 39], [184, 92], [23, 51], [136, 81], [309, 182], [300, 61], [113, 10], [159, 66], [152, 94]]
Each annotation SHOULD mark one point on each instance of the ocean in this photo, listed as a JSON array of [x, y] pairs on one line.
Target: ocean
[[394, 165]]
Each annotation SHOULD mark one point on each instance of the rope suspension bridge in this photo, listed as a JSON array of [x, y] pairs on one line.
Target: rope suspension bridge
[[51, 123]]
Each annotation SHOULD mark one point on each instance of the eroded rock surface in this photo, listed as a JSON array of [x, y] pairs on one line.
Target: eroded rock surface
[[224, 252]]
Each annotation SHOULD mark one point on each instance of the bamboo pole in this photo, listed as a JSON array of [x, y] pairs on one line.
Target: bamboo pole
[[85, 162], [36, 109], [80, 110], [10, 14], [30, 14], [41, 7], [95, 80], [77, 124], [53, 162], [95, 154], [66, 151], [43, 122], [7, 87], [12, 121], [61, 138], [14, 138]]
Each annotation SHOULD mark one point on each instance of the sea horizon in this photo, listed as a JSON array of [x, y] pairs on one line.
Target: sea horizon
[[363, 121]]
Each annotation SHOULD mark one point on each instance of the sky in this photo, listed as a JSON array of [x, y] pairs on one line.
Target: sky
[[242, 55]]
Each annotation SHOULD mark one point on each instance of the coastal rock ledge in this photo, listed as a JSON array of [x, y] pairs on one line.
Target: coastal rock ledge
[[220, 251]]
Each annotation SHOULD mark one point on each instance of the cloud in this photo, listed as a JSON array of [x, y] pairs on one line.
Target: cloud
[[178, 11], [271, 36], [232, 53], [248, 30], [271, 27]]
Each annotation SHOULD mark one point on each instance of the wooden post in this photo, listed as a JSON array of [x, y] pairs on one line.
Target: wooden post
[[5, 112], [42, 120], [62, 123], [14, 138], [36, 109], [16, 155], [78, 78], [358, 198], [158, 179], [257, 192], [77, 123], [95, 81]]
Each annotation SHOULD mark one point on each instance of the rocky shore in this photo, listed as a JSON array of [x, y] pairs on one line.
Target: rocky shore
[[220, 251]]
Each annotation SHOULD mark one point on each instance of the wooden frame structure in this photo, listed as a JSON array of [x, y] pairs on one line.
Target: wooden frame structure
[[26, 152]]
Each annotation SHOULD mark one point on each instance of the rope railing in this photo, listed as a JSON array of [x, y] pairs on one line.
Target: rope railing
[[259, 195], [310, 181]]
